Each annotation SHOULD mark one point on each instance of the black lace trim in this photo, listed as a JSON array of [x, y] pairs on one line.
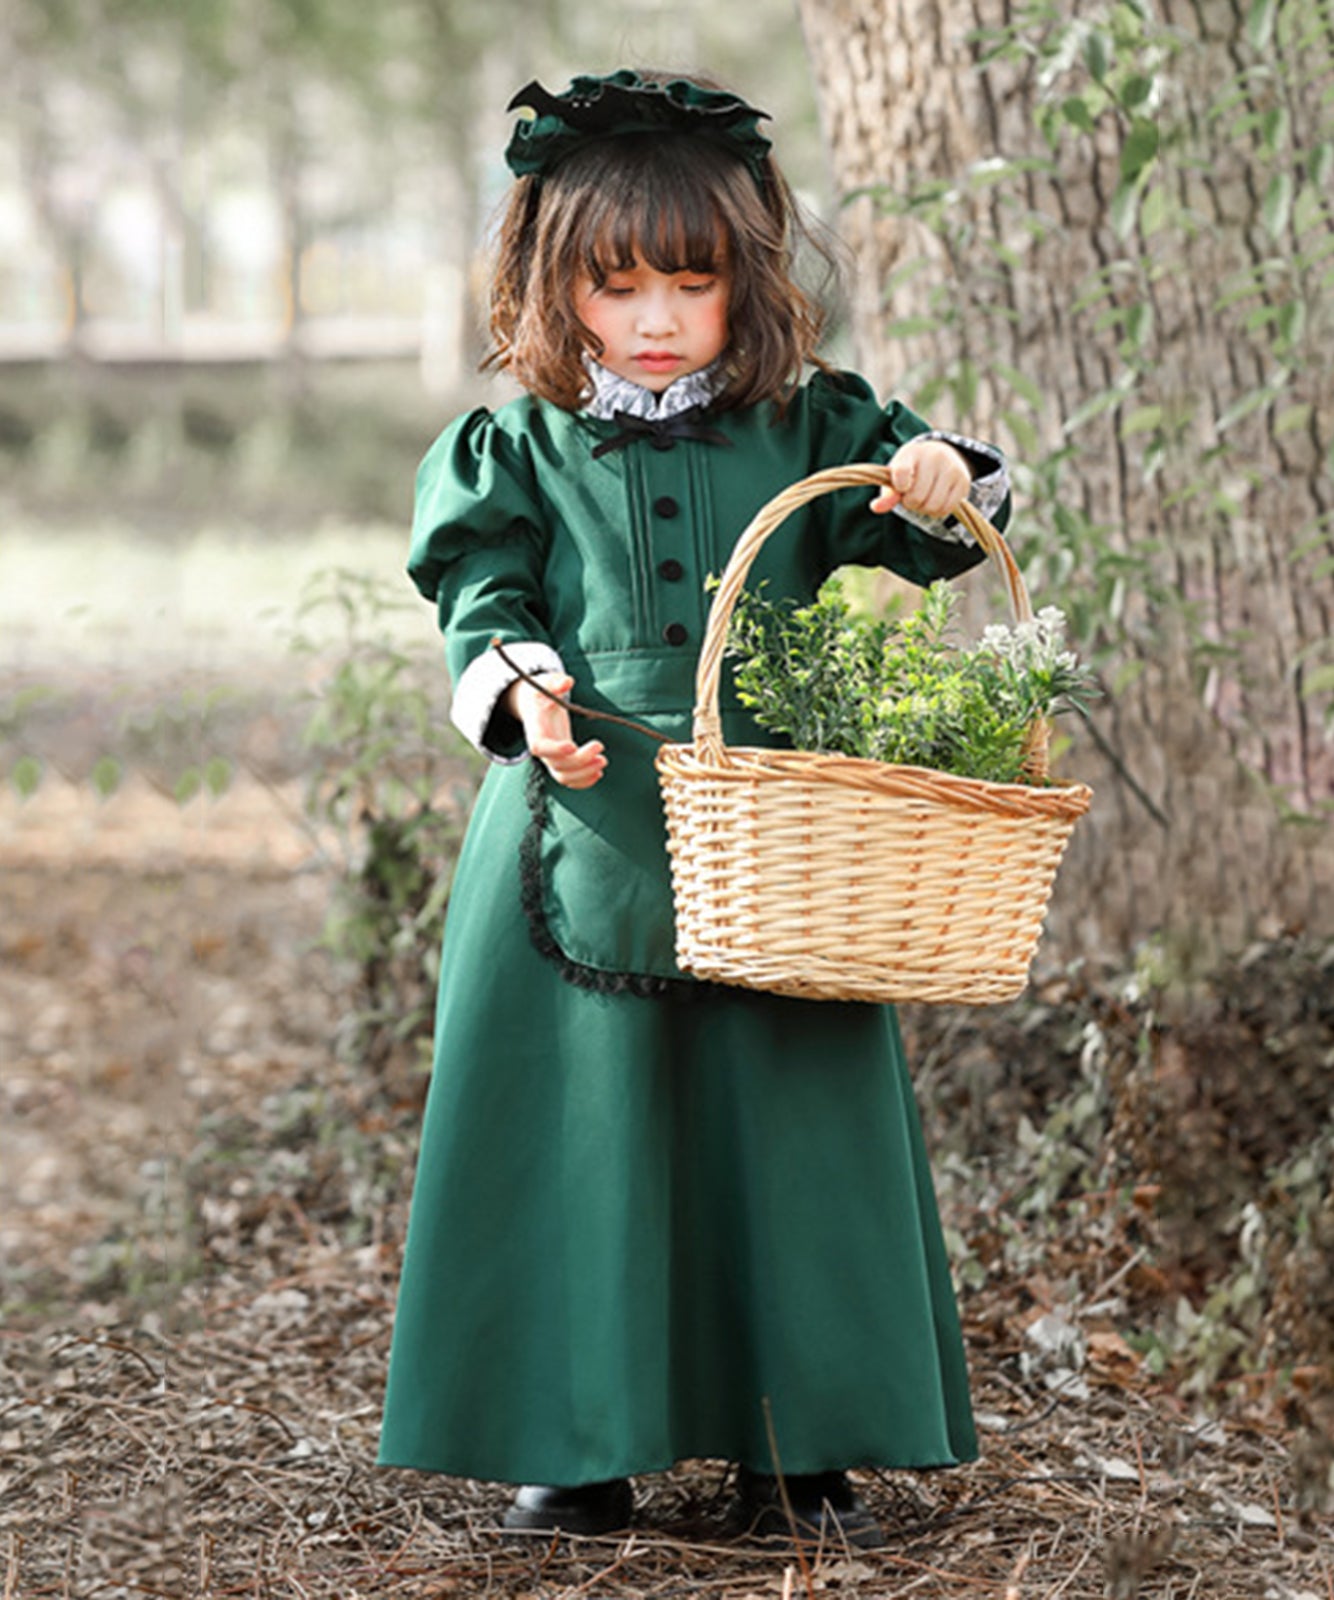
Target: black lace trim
[[544, 941]]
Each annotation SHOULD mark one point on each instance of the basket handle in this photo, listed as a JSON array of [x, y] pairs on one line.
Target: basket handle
[[708, 737]]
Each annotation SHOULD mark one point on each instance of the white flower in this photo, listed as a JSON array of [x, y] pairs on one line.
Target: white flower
[[1035, 643]]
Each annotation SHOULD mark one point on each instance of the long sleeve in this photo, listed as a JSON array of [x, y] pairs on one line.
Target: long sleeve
[[478, 550], [855, 427]]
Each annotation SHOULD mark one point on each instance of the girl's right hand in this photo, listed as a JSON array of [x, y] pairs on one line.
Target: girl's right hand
[[546, 727]]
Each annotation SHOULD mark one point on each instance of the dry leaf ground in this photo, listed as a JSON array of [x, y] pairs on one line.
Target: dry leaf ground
[[201, 1216]]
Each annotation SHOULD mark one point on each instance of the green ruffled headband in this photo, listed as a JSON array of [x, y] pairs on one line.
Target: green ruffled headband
[[601, 108]]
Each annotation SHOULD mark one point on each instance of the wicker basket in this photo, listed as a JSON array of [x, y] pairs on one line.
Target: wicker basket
[[832, 878]]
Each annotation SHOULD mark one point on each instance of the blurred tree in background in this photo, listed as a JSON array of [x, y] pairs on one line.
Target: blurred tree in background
[[355, 110], [1107, 238], [241, 268]]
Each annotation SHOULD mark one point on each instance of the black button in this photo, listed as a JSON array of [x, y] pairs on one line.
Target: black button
[[660, 441], [675, 633], [671, 570], [665, 506]]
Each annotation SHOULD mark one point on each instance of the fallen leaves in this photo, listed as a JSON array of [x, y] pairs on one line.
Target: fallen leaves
[[190, 1391]]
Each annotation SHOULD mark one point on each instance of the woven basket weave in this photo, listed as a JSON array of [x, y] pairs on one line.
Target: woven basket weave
[[833, 878]]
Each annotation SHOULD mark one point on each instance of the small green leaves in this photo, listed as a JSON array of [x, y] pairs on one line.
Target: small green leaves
[[1318, 682], [900, 690], [913, 327], [217, 775], [187, 785], [1276, 207], [1076, 112], [212, 777], [106, 776], [1135, 91], [1291, 419], [1098, 405], [1274, 128], [1290, 326], [1020, 383], [1097, 55], [1143, 419], [1260, 23], [26, 776], [1154, 211], [1138, 326], [1139, 150]]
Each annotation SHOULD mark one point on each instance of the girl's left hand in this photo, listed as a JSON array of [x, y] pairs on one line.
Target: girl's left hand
[[927, 476]]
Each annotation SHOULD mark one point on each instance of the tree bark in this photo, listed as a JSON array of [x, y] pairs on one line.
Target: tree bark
[[1211, 758]]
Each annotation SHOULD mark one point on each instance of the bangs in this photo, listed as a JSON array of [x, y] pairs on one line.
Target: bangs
[[658, 202], [666, 241]]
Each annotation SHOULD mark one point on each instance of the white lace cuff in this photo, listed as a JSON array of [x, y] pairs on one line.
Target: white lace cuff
[[476, 711]]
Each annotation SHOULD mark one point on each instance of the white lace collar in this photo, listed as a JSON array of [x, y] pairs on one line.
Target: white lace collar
[[612, 393]]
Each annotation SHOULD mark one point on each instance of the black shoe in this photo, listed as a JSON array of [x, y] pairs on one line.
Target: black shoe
[[586, 1509], [823, 1505]]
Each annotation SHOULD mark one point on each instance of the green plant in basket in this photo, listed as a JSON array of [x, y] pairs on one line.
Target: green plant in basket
[[902, 689]]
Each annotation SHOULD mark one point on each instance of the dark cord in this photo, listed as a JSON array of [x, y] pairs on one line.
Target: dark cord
[[569, 705]]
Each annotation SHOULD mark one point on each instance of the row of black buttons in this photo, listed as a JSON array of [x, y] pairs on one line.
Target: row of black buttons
[[671, 570]]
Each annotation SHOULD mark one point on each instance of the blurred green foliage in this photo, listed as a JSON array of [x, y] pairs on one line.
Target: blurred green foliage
[[388, 788], [1103, 1138]]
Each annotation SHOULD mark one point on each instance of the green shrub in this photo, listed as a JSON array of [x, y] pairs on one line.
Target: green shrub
[[388, 790], [898, 688]]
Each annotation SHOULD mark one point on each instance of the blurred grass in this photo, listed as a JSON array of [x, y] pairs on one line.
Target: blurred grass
[[178, 659], [279, 444], [98, 594], [159, 532]]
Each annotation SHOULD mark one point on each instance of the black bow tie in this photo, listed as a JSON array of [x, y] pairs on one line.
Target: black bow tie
[[661, 432]]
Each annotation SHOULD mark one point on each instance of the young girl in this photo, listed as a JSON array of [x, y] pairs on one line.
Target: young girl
[[653, 1218]]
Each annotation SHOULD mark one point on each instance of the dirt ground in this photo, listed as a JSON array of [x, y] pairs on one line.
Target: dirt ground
[[201, 1213]]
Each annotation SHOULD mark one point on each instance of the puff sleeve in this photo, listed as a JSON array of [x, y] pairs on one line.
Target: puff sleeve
[[479, 551], [855, 427]]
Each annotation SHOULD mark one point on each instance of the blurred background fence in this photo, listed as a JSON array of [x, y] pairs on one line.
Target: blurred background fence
[[239, 243]]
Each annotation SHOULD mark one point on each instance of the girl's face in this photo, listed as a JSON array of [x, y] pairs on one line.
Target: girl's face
[[655, 327]]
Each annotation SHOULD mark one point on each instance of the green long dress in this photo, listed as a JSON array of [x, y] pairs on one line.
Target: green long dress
[[643, 1206]]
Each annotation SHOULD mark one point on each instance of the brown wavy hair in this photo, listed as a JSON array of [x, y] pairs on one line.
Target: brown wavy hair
[[680, 203]]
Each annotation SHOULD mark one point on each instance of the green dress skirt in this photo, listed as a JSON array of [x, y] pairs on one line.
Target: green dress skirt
[[638, 1221]]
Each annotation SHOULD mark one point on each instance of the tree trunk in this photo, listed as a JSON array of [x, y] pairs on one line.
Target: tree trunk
[[1192, 491]]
